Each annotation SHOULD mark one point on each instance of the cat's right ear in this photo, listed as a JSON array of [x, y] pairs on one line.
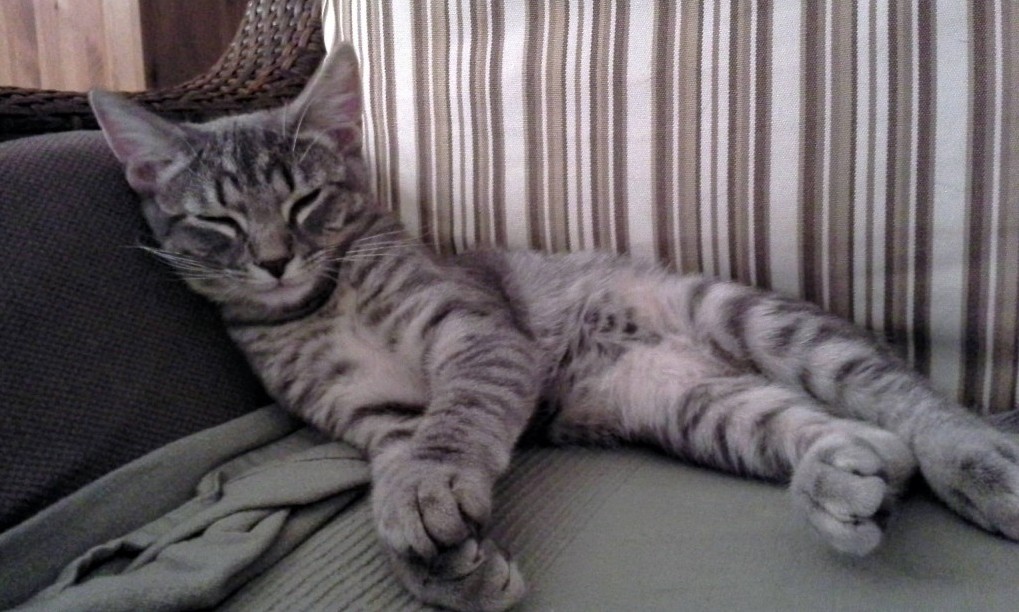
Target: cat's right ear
[[151, 148], [330, 104]]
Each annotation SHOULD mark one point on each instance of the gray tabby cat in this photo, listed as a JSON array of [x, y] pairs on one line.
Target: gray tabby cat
[[435, 367]]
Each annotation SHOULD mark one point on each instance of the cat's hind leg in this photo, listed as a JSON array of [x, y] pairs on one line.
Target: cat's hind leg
[[972, 467], [844, 475]]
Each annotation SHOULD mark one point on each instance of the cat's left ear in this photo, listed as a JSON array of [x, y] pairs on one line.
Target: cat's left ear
[[151, 149], [330, 105]]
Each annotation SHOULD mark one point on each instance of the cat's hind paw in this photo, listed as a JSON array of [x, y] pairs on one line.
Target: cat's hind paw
[[975, 471], [846, 484], [472, 577]]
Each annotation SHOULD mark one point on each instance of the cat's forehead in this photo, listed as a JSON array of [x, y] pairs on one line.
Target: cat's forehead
[[253, 154], [237, 146]]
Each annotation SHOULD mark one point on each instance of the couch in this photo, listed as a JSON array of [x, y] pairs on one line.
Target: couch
[[859, 155]]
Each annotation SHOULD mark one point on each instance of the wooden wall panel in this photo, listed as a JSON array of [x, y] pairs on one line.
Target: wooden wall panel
[[124, 45], [70, 37], [184, 37], [125, 71], [19, 62]]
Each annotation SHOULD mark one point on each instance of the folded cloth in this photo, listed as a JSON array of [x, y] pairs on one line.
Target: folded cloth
[[210, 519], [245, 515]]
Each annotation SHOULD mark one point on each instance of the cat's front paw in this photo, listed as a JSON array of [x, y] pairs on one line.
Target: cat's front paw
[[846, 483], [975, 471], [474, 576], [425, 507]]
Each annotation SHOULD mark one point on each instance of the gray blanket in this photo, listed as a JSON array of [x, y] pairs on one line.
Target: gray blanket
[[263, 514], [246, 515]]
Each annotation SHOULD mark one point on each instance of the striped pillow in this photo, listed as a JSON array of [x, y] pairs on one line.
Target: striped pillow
[[863, 155]]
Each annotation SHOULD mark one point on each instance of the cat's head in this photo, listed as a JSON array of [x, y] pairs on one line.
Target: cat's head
[[251, 209]]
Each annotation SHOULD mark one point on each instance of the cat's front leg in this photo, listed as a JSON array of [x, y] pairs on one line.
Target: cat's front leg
[[431, 519], [432, 490]]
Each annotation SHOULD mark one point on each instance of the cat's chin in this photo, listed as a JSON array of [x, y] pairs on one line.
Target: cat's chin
[[278, 303], [283, 295]]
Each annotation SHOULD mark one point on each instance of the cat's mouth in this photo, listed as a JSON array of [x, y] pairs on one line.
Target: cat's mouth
[[281, 302], [284, 293]]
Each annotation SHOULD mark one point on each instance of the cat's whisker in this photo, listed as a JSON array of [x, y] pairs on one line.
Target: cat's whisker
[[189, 267], [362, 257], [297, 129], [389, 240], [198, 277], [380, 247], [181, 263], [366, 253], [312, 89], [283, 121], [396, 232], [307, 150], [365, 257], [387, 237]]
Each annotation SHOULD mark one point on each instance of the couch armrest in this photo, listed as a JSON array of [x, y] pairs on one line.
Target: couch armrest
[[106, 355]]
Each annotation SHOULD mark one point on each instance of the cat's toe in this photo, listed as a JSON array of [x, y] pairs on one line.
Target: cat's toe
[[845, 486], [471, 577], [976, 473], [423, 509]]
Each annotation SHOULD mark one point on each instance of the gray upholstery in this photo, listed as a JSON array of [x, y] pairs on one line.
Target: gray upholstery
[[104, 356], [591, 529]]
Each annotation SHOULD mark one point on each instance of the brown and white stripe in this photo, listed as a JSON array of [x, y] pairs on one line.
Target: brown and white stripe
[[864, 155]]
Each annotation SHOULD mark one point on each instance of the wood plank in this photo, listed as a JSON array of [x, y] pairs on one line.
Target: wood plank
[[126, 45], [19, 63], [70, 44], [124, 65], [183, 38]]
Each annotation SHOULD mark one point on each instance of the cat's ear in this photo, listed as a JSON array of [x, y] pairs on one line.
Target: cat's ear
[[330, 105], [150, 147]]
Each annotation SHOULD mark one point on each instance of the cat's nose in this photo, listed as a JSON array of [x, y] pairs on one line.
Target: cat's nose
[[276, 267]]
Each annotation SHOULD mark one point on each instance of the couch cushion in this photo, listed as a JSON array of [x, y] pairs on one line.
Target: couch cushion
[[105, 355], [591, 529]]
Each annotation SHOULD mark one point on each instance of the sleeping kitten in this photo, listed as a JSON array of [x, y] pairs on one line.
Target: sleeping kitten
[[435, 367]]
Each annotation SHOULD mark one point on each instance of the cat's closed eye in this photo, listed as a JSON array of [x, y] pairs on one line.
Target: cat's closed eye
[[222, 222], [302, 206]]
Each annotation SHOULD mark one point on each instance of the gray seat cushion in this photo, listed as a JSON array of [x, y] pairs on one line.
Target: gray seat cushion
[[105, 356], [591, 529]]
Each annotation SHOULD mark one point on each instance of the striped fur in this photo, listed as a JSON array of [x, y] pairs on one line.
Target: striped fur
[[435, 366]]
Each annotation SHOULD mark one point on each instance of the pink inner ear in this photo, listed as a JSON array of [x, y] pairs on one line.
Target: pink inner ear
[[142, 176], [347, 138], [126, 144], [351, 107]]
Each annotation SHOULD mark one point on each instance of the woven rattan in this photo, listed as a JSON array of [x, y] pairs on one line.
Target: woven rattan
[[277, 47]]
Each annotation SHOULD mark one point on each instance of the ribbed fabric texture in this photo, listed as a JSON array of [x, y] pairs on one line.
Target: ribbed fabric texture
[[863, 155], [540, 506]]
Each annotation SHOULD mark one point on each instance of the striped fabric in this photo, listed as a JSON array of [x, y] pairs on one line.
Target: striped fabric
[[863, 154]]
